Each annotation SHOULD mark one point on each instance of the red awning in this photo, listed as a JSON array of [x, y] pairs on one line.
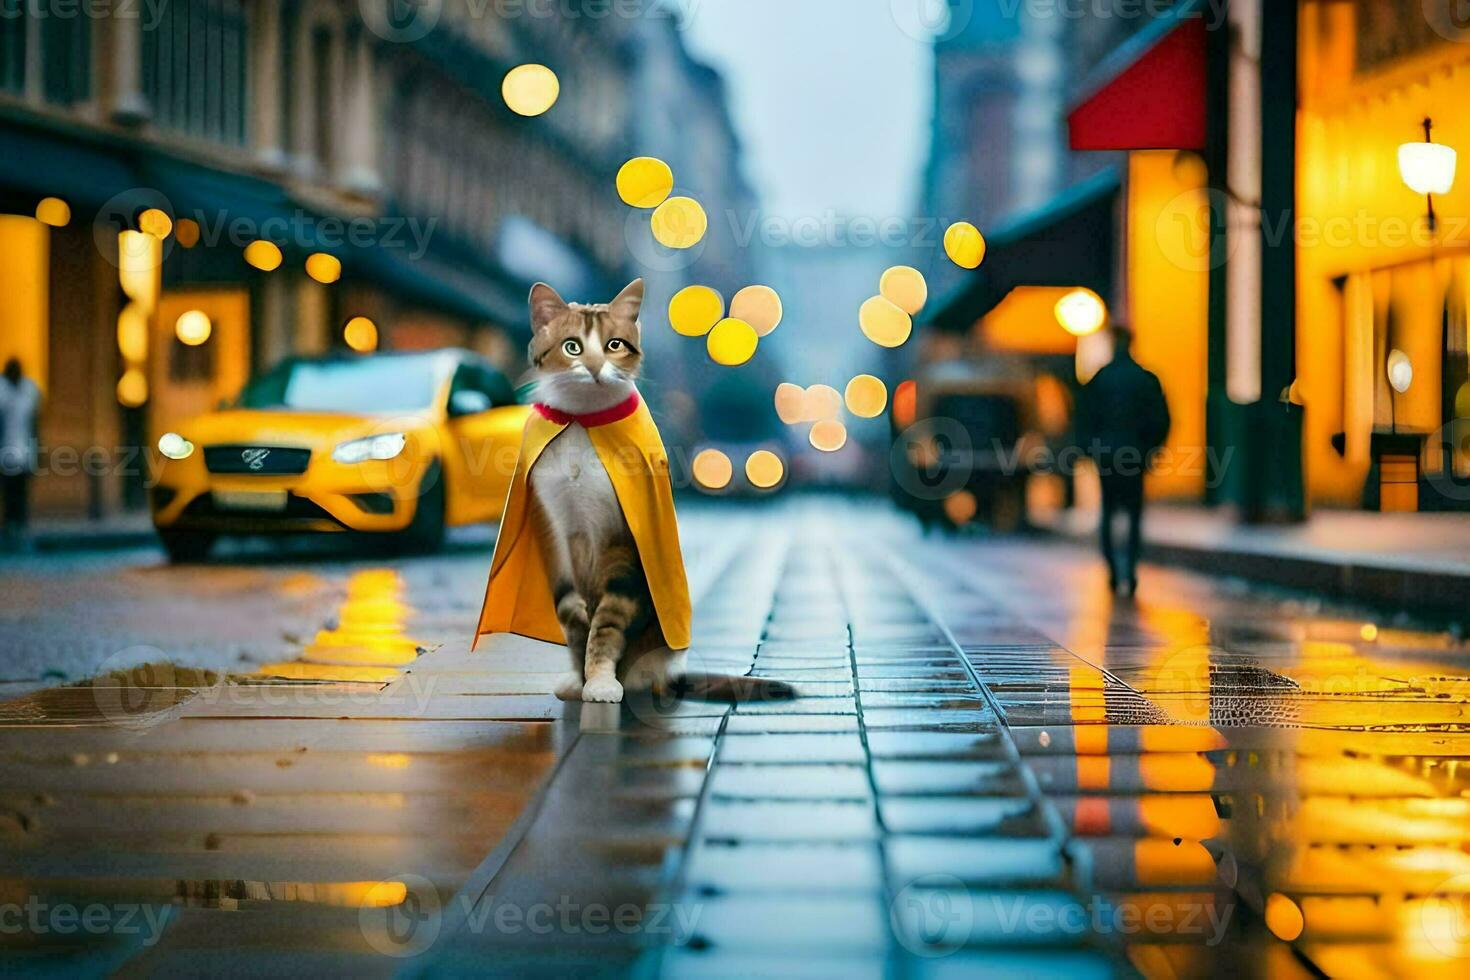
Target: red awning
[[1152, 93]]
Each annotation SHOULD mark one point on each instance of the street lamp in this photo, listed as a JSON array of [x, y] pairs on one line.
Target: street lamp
[[1081, 312], [1427, 168]]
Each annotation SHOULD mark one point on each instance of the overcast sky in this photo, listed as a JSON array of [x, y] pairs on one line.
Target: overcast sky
[[831, 97]]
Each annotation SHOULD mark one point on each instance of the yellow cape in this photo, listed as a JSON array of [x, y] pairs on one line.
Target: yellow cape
[[518, 596]]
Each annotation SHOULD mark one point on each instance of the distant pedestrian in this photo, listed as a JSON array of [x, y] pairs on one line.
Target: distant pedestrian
[[20, 414], [1122, 418]]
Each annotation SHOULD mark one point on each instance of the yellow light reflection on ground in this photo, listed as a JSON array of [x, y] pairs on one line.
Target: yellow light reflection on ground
[[758, 306], [828, 435], [369, 640], [964, 245], [884, 323], [866, 396], [732, 342], [764, 469], [904, 287], [694, 310], [679, 222], [530, 90], [645, 182], [712, 469]]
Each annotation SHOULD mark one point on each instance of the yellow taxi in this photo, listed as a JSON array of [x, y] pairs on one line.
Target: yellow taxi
[[403, 444]]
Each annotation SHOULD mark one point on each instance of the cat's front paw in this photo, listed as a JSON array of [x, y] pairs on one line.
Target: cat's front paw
[[569, 688], [604, 689]]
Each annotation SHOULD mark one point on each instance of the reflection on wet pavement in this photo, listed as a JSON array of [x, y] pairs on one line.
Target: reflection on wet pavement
[[991, 767]]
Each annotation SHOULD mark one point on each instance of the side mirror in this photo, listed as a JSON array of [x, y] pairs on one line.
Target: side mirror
[[468, 402]]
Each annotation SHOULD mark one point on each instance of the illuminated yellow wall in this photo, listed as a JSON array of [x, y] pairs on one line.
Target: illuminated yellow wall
[[1361, 226], [229, 313], [25, 284], [1168, 295]]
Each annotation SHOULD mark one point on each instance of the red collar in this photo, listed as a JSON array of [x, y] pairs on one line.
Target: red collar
[[607, 416]]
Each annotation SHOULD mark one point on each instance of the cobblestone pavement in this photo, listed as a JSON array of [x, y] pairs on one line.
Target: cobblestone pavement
[[990, 768]]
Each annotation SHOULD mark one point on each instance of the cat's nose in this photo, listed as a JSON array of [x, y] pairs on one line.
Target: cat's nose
[[593, 361]]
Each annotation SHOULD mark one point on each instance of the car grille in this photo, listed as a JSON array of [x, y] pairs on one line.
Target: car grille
[[257, 460]]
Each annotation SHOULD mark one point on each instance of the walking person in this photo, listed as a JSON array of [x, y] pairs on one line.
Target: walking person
[[1122, 418], [20, 415]]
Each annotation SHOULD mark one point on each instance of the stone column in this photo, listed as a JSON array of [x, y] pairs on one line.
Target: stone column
[[265, 85], [358, 149], [126, 102]]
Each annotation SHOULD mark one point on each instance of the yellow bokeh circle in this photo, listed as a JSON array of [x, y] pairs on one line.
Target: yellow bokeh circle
[[132, 333], [193, 327], [960, 507], [866, 396], [828, 435], [790, 402], [679, 222], [1081, 312], [1284, 917], [695, 309], [155, 222], [323, 268], [644, 182], [764, 469], [822, 402], [530, 90], [884, 323], [964, 245], [263, 255], [186, 232], [732, 342], [712, 469], [905, 288], [132, 388], [758, 306], [53, 211], [361, 334]]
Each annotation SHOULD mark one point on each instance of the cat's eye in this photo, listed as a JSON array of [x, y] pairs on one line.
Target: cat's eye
[[572, 347], [616, 344]]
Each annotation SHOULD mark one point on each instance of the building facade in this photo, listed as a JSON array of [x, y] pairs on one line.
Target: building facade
[[283, 167]]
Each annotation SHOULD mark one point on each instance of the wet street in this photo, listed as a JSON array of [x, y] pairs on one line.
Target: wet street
[[992, 767]]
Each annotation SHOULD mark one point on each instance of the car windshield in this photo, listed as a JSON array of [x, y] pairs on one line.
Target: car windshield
[[368, 385]]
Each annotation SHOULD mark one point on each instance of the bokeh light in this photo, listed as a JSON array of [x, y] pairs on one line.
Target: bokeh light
[[530, 90], [828, 435], [694, 310], [1400, 370], [193, 327], [964, 245], [155, 222], [679, 222], [866, 396], [732, 342], [960, 507], [905, 403], [1462, 401], [186, 232], [644, 182], [822, 402], [53, 211], [905, 288], [1081, 312], [323, 268], [361, 334], [712, 469], [790, 402], [764, 469], [884, 323], [263, 255], [132, 334], [1284, 917], [132, 388], [758, 306]]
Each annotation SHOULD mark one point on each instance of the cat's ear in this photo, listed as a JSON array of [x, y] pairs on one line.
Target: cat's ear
[[546, 305], [629, 302]]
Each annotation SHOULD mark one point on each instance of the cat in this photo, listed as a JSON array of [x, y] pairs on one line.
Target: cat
[[586, 359]]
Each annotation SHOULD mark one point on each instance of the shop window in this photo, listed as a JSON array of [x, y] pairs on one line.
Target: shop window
[[66, 53], [12, 46], [190, 364], [194, 69]]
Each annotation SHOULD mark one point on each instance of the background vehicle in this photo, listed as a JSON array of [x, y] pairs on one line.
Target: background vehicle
[[405, 444]]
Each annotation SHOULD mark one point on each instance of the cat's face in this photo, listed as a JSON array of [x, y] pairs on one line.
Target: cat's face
[[586, 356]]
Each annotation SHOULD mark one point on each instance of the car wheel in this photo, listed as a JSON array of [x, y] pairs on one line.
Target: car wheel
[[425, 533], [186, 547]]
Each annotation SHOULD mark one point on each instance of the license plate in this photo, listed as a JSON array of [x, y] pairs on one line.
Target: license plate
[[250, 499]]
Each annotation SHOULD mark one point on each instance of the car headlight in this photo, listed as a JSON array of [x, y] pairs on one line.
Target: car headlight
[[385, 446], [175, 446]]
